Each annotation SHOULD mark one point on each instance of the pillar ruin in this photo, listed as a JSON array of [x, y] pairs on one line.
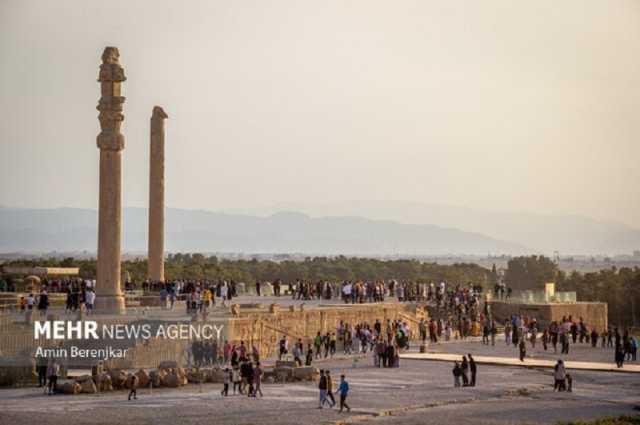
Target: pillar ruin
[[110, 141], [155, 266]]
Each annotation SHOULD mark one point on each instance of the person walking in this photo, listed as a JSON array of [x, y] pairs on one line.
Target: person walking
[[246, 374], [559, 376], [283, 344], [457, 372], [133, 385], [330, 388], [227, 379], [343, 389], [317, 345], [322, 387], [465, 370], [89, 300], [523, 349], [473, 368], [297, 353], [564, 342], [569, 383], [236, 380], [52, 374], [619, 356], [257, 380], [309, 358], [41, 367], [43, 302]]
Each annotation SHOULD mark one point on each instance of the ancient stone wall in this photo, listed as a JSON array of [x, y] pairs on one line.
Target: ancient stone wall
[[260, 327], [265, 329], [593, 313]]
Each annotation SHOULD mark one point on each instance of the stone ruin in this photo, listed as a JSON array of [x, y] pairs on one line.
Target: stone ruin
[[169, 375]]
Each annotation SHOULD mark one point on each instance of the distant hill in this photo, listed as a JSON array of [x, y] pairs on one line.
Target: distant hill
[[67, 229], [543, 233]]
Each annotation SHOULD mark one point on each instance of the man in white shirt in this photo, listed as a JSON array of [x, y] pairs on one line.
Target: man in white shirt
[[89, 300]]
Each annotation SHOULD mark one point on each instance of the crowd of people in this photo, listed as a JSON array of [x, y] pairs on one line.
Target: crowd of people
[[199, 296], [80, 295], [456, 312], [562, 334], [466, 371], [243, 373], [48, 371]]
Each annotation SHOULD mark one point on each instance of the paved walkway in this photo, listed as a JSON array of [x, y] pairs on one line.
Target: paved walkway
[[528, 362]]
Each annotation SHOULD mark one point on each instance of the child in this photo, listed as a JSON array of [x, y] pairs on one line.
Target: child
[[227, 379], [236, 380], [569, 383], [457, 372]]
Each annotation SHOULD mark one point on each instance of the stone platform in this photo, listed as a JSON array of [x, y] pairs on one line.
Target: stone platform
[[257, 324], [417, 393], [528, 362]]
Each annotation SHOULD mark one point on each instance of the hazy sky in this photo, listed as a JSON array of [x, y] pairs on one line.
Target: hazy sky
[[504, 105]]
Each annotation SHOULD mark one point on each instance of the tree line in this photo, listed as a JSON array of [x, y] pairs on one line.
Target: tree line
[[618, 287], [340, 268]]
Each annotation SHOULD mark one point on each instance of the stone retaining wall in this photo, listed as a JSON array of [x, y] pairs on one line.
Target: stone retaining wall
[[255, 326], [593, 313], [265, 329]]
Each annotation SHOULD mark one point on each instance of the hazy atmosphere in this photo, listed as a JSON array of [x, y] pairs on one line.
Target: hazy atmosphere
[[487, 105], [319, 212]]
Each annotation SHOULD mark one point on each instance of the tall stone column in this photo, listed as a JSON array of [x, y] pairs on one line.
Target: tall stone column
[[156, 197], [109, 298]]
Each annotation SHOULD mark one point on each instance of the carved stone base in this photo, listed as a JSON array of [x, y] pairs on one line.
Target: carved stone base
[[109, 304]]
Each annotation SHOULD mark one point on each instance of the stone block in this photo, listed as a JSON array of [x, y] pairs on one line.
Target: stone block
[[104, 382], [168, 364], [143, 378], [196, 376], [132, 381], [306, 373], [71, 388], [216, 375], [88, 387], [84, 378], [170, 380], [156, 377], [118, 378], [283, 374]]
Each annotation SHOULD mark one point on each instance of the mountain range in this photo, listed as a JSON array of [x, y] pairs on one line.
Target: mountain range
[[350, 228], [540, 233], [69, 229]]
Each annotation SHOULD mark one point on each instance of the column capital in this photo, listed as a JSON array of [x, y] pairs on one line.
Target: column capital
[[111, 70], [159, 113], [110, 104]]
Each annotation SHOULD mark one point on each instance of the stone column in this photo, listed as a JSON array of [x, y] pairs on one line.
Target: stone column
[[109, 298], [156, 197]]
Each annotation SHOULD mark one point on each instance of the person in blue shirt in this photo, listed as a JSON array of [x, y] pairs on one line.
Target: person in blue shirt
[[343, 389]]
